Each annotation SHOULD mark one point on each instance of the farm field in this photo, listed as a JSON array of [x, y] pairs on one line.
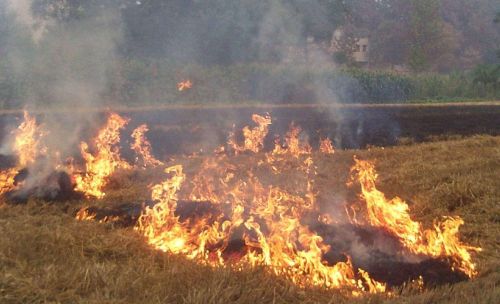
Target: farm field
[[273, 151], [48, 256]]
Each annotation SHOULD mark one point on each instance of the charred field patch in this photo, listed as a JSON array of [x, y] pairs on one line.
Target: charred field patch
[[184, 129], [48, 256]]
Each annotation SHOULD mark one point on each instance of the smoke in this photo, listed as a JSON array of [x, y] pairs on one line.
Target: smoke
[[72, 62], [24, 15], [76, 61], [69, 67], [283, 38], [279, 33]]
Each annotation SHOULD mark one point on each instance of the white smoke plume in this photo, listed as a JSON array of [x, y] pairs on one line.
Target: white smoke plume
[[68, 67], [24, 15]]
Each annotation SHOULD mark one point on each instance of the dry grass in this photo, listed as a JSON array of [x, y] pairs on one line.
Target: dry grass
[[48, 257]]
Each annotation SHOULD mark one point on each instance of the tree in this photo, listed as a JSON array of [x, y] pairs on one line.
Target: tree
[[319, 18], [411, 33], [389, 32], [227, 31], [426, 35], [211, 31], [73, 10], [497, 20], [404, 31], [476, 33]]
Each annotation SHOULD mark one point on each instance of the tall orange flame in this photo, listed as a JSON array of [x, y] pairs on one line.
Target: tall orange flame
[[393, 215], [7, 180], [268, 218], [142, 148], [106, 160], [253, 138], [326, 146], [255, 223], [27, 147], [292, 145], [27, 144]]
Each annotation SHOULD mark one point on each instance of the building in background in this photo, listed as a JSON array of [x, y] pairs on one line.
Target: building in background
[[351, 46], [361, 53]]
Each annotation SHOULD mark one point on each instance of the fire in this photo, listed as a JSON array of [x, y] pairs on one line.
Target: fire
[[254, 138], [106, 159], [326, 146], [268, 219], [84, 215], [7, 180], [27, 141], [292, 144], [265, 218], [159, 223], [393, 215], [27, 147], [184, 85], [252, 223], [142, 147]]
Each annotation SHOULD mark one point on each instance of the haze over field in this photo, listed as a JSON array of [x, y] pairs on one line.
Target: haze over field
[[135, 52]]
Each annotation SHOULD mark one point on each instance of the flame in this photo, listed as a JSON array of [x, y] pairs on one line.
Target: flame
[[393, 215], [251, 223], [254, 138], [159, 224], [266, 218], [7, 180], [27, 141], [106, 160], [184, 85], [273, 235], [292, 145], [142, 148], [27, 147], [84, 215], [326, 146]]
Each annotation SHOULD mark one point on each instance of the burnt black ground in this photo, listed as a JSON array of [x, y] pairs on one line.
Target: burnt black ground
[[181, 130]]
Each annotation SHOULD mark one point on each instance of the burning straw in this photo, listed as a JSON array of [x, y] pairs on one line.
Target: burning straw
[[224, 215]]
